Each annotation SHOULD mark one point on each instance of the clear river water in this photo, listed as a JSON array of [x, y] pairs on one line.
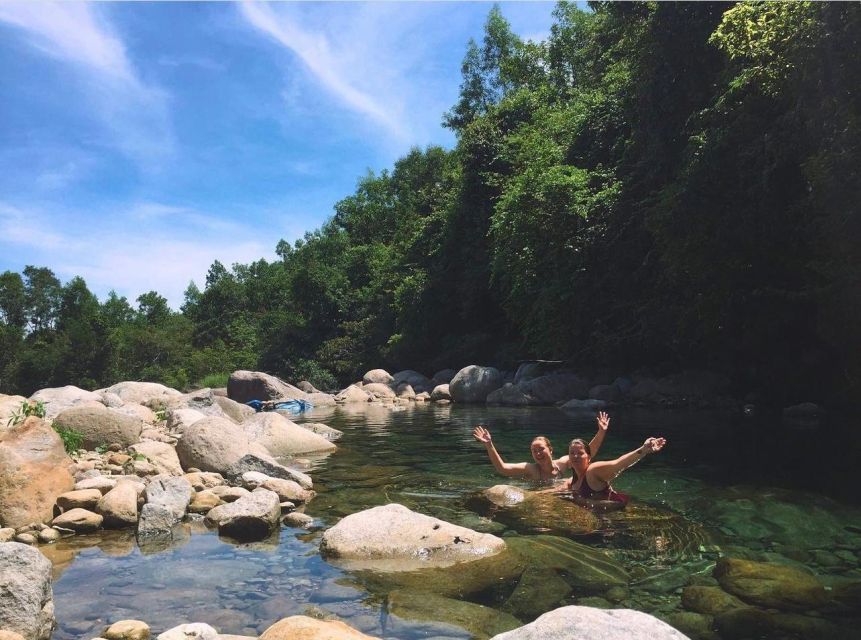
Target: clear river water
[[722, 485]]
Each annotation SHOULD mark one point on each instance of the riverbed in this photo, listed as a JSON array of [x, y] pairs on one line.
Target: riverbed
[[721, 487]]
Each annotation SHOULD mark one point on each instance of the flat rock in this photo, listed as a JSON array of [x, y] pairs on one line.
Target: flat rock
[[586, 623], [332, 435], [127, 630], [305, 628], [78, 520], [34, 471], [287, 490], [480, 621], [393, 538], [585, 566], [26, 596], [251, 517], [83, 499], [102, 483], [282, 437], [268, 466]]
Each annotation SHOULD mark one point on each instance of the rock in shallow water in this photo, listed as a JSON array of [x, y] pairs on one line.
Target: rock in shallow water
[[480, 621], [252, 517], [770, 585], [393, 538], [585, 623]]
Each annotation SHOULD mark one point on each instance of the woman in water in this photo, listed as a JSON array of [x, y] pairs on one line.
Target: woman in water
[[545, 468], [591, 482]]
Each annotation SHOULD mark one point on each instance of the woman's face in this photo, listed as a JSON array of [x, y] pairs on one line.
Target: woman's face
[[578, 458], [540, 451]]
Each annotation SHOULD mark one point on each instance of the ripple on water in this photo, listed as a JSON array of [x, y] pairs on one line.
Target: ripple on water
[[683, 513]]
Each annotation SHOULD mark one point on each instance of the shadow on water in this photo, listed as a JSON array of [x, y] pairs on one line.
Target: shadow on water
[[714, 490]]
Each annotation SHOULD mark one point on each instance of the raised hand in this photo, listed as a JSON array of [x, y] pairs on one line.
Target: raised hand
[[603, 420], [481, 434], [653, 445]]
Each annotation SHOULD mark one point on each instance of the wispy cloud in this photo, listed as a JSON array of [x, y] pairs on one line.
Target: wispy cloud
[[27, 229], [78, 35], [333, 66]]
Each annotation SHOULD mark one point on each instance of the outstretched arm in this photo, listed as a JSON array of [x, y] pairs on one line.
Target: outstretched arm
[[505, 468], [606, 471], [603, 424], [597, 441]]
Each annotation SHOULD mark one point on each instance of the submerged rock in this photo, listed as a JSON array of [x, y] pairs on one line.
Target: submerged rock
[[585, 566], [393, 538], [532, 511], [26, 596], [332, 435], [585, 623], [78, 520], [482, 622], [539, 590], [770, 585]]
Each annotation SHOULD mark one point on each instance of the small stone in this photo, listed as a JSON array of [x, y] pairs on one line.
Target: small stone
[[192, 631], [127, 630], [25, 538], [78, 520], [118, 458], [298, 520], [7, 534], [203, 501], [49, 535]]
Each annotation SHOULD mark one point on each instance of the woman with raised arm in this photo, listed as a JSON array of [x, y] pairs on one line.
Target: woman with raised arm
[[545, 468], [591, 482]]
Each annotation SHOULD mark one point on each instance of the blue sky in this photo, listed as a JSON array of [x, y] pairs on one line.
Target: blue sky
[[141, 141]]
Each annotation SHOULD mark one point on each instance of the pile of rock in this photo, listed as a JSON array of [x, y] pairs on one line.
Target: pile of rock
[[151, 457]]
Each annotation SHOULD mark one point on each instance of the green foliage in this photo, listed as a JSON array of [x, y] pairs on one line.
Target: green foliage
[[72, 440], [214, 380], [28, 408]]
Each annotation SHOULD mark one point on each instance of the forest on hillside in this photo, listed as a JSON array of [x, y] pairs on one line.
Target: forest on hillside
[[657, 186]]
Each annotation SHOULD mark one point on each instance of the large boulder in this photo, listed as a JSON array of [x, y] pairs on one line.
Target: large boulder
[[237, 411], [305, 628], [160, 454], [119, 506], [770, 585], [473, 384], [268, 466], [256, 385], [586, 623], [416, 380], [440, 392], [58, 399], [511, 395], [379, 390], [393, 538], [146, 393], [206, 402], [26, 597], [378, 376], [352, 394], [212, 444], [251, 517], [34, 471], [283, 438], [100, 425]]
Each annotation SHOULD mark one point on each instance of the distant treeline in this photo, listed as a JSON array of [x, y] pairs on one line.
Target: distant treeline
[[657, 185]]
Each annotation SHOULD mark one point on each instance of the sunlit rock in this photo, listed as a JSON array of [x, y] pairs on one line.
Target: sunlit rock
[[26, 596]]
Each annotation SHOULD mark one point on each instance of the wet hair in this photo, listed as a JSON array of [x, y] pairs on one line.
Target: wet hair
[[545, 441], [584, 443]]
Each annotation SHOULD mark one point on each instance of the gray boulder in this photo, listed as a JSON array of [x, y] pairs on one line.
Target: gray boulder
[[256, 385], [510, 395], [266, 465], [251, 517], [555, 387], [378, 376], [58, 399], [171, 492], [586, 623], [440, 392], [100, 425], [212, 444], [146, 393], [26, 596], [473, 384], [379, 390], [331, 434], [393, 538], [416, 380], [352, 394], [281, 437]]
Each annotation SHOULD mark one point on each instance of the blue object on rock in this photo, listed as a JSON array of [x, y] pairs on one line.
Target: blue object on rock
[[292, 406]]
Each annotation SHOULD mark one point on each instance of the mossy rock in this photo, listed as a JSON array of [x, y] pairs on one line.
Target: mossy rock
[[538, 591], [457, 581], [482, 622], [584, 567], [709, 600], [531, 512], [694, 625], [766, 584]]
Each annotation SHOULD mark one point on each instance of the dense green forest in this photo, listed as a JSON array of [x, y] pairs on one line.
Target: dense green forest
[[657, 185]]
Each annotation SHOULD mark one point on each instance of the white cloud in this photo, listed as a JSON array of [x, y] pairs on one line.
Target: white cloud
[[77, 34], [357, 63], [26, 229]]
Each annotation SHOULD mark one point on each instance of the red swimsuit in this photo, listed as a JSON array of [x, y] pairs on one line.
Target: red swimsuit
[[607, 493]]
